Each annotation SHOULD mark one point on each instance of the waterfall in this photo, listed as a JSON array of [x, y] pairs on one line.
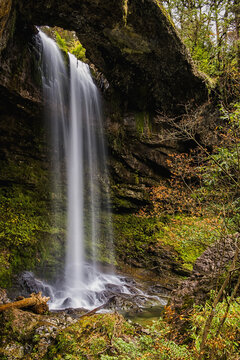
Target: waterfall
[[73, 112], [86, 166]]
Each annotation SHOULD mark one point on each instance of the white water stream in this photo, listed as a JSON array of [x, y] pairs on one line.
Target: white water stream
[[73, 110]]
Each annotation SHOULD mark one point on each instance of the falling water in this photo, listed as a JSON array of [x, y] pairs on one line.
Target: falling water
[[85, 168], [74, 113], [55, 90]]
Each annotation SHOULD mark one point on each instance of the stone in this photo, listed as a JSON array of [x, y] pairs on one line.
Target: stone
[[136, 48], [205, 275], [67, 302], [24, 335]]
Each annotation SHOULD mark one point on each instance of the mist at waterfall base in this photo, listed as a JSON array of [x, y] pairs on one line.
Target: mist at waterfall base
[[78, 157]]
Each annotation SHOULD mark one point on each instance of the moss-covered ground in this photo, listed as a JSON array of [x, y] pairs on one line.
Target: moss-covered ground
[[110, 337], [138, 237]]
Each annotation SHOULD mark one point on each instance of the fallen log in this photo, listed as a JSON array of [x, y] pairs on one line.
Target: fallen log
[[36, 303]]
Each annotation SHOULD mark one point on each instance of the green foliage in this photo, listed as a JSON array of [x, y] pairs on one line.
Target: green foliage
[[221, 173], [203, 58], [69, 43], [79, 51], [136, 236], [61, 42], [210, 30], [189, 235], [110, 337], [225, 345]]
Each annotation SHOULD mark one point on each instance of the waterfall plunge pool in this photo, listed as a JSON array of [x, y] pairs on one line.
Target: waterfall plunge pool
[[138, 300]]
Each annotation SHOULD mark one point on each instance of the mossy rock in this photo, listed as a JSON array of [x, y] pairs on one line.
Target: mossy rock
[[90, 337]]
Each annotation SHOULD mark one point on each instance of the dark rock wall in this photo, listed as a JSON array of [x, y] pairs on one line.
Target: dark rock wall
[[148, 69], [20, 82], [137, 158], [139, 149], [135, 45]]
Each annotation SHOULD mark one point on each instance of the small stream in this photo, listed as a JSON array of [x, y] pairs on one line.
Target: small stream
[[146, 316]]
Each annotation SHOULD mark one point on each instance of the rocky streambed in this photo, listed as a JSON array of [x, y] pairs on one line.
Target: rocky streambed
[[26, 335]]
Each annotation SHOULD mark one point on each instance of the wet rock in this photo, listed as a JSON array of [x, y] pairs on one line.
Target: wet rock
[[123, 302], [67, 303], [74, 313], [206, 273], [27, 284], [126, 302], [160, 289], [112, 288], [155, 257], [139, 152], [139, 60]]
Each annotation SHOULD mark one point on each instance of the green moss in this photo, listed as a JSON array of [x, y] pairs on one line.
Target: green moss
[[89, 337], [61, 42], [28, 237], [137, 236], [136, 178], [26, 232], [166, 14], [5, 269], [143, 123], [79, 51], [121, 203], [140, 122], [134, 235], [71, 45], [188, 235], [110, 337]]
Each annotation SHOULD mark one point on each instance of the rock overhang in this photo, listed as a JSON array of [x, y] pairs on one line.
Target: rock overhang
[[133, 43]]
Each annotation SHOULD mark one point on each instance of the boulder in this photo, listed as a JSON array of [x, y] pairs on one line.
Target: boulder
[[206, 274]]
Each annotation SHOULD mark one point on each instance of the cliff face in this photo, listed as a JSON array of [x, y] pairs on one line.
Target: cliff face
[[133, 43], [19, 77], [148, 69]]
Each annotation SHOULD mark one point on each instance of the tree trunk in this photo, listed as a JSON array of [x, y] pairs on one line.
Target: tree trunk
[[36, 302]]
